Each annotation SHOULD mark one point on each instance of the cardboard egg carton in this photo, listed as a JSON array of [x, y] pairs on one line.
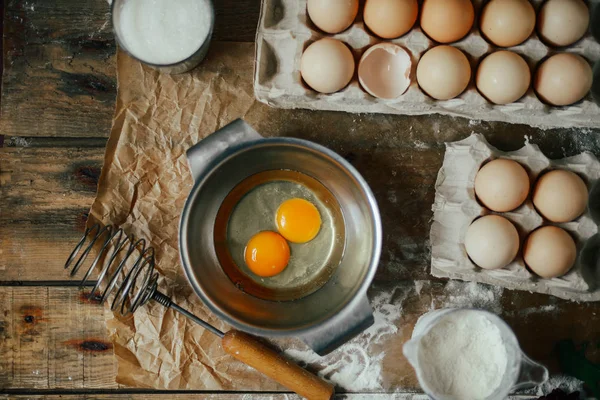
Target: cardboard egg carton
[[456, 207], [285, 30]]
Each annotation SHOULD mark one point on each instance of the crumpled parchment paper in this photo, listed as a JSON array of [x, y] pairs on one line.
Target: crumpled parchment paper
[[142, 188], [144, 183]]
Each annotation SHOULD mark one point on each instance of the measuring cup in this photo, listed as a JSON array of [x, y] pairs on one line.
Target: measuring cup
[[521, 372]]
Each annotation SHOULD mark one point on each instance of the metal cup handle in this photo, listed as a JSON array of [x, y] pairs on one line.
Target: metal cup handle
[[202, 154], [341, 328]]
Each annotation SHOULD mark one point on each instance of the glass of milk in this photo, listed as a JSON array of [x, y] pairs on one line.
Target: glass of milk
[[170, 35]]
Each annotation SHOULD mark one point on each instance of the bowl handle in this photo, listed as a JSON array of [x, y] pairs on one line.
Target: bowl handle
[[208, 149], [341, 328]]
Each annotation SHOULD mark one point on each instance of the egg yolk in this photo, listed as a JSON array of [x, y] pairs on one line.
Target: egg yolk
[[267, 254], [298, 220]]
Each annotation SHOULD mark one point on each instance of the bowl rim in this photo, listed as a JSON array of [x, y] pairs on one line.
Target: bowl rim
[[311, 146]]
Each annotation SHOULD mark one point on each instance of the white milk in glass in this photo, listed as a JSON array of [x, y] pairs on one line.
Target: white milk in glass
[[163, 32]]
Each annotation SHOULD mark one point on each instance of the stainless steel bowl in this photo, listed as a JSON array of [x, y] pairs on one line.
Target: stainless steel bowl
[[324, 319]]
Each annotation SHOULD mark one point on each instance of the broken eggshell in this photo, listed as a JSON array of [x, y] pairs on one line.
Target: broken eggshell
[[384, 70]]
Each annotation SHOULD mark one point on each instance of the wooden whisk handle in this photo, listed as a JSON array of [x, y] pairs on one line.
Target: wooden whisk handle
[[250, 351]]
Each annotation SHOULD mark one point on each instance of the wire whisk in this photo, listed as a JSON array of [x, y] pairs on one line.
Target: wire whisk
[[116, 248], [125, 266]]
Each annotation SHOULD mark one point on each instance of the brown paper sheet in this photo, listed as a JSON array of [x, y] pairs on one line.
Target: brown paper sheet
[[144, 183], [143, 186]]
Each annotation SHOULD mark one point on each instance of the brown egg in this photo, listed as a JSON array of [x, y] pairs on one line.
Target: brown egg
[[502, 185], [447, 21], [560, 196], [503, 77], [550, 252], [563, 22], [332, 16], [492, 242], [563, 79], [443, 72], [507, 23], [327, 65], [390, 18], [384, 70]]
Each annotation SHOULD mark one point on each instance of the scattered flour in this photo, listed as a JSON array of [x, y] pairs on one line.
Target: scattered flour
[[567, 384], [357, 365], [18, 141], [421, 145], [537, 310], [463, 356], [419, 287], [460, 294]]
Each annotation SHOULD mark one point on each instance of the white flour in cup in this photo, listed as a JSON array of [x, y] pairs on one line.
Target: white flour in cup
[[463, 356], [163, 31]]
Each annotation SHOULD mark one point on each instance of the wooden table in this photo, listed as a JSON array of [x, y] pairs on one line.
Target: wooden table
[[57, 101]]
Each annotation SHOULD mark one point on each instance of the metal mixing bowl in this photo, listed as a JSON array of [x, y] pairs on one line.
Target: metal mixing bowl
[[332, 314]]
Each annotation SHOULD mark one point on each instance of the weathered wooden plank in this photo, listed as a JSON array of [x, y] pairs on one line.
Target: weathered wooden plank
[[48, 186], [217, 396], [59, 64], [53, 338], [236, 20], [46, 194], [59, 69], [195, 396], [228, 396]]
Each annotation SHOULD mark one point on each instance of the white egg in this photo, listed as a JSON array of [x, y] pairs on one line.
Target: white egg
[[492, 242], [563, 22], [503, 77], [327, 65], [563, 79], [443, 72]]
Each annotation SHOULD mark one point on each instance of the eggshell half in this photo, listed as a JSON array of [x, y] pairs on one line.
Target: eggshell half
[[384, 70]]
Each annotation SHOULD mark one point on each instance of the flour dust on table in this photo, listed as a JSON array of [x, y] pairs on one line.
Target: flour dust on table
[[459, 294], [567, 384], [358, 365]]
